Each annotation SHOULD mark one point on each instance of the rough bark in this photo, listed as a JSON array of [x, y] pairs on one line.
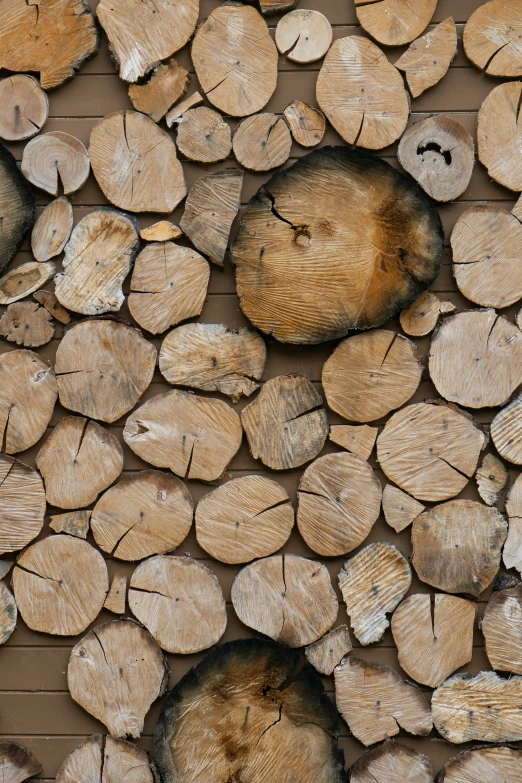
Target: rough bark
[[25, 107], [52, 229], [390, 761], [307, 125], [499, 764], [270, 7], [166, 84], [328, 652], [304, 36], [394, 22], [8, 615], [512, 554], [24, 280], [73, 523], [399, 508], [421, 317], [491, 38], [54, 161], [53, 306], [506, 430], [26, 324], [491, 479], [17, 763], [177, 111], [22, 504], [163, 231], [203, 135], [17, 208], [116, 597], [426, 61], [105, 759], [262, 142], [498, 133], [502, 627], [359, 440]]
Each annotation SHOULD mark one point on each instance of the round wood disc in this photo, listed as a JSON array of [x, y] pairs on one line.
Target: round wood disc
[[22, 504], [498, 135], [25, 107], [180, 601], [492, 38], [235, 59], [339, 500], [144, 514], [362, 94], [246, 518], [502, 628], [427, 59], [102, 368], [203, 135], [17, 207], [24, 280], [26, 324], [304, 36], [506, 431], [8, 615], [394, 22], [103, 759], [421, 317], [381, 764], [52, 229], [60, 584], [17, 763], [286, 597], [307, 125], [262, 142], [495, 764], [54, 159], [307, 248]]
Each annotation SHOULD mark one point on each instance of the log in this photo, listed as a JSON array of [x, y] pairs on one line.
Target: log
[[22, 502], [434, 636], [56, 160], [16, 762], [163, 231], [144, 514], [140, 35], [502, 626], [269, 720], [359, 440], [165, 85], [270, 7], [115, 673], [476, 359], [399, 508], [53, 306], [8, 615], [512, 554], [26, 324], [285, 425], [60, 585], [339, 501], [506, 429], [377, 703], [78, 460], [464, 535], [245, 519], [394, 22], [214, 358], [24, 280], [282, 232], [262, 142], [25, 107], [203, 136], [328, 652], [102, 368], [235, 59], [496, 764], [73, 523], [303, 36], [491, 39], [421, 317], [391, 759], [439, 153], [373, 583], [116, 597], [135, 163], [98, 258], [307, 125], [497, 135], [195, 437], [52, 38], [177, 111], [374, 118], [105, 759], [483, 707], [286, 597], [180, 601], [17, 208], [491, 479], [168, 285], [427, 60], [52, 229], [370, 374], [210, 209], [430, 449]]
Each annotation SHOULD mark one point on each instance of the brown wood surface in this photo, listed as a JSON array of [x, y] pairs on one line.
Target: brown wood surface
[[35, 707]]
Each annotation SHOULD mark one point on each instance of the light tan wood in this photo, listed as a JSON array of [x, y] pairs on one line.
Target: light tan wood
[[498, 135], [98, 258], [491, 479], [117, 595], [135, 163], [262, 142], [210, 209], [17, 207], [22, 504], [286, 597], [377, 703], [482, 707], [52, 229], [506, 431], [5, 567], [102, 368], [214, 358], [359, 440], [74, 523], [144, 514], [163, 231], [24, 280], [427, 60], [467, 537], [78, 460], [512, 554], [26, 324], [304, 35], [203, 135], [168, 285], [502, 627], [196, 437], [373, 583], [284, 425], [25, 107], [105, 759], [373, 119], [399, 508], [491, 38], [177, 111], [52, 305], [60, 585], [394, 22], [389, 759], [494, 764], [115, 673], [142, 34], [307, 125], [166, 84], [328, 652], [53, 38], [339, 501], [421, 317], [180, 601], [17, 763], [246, 518], [56, 160], [282, 232], [8, 616]]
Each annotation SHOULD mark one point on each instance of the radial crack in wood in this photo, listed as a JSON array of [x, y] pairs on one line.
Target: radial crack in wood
[[421, 317], [73, 523], [428, 59], [359, 440], [495, 764], [491, 478], [304, 36], [502, 627], [394, 22], [52, 229], [498, 134], [17, 208], [116, 597], [165, 85], [512, 554], [53, 306], [399, 508], [17, 763], [262, 142], [177, 111], [105, 759], [25, 107], [8, 615], [307, 125], [204, 136], [391, 760], [22, 504], [328, 652], [163, 231], [56, 160], [26, 324], [492, 38], [24, 280]]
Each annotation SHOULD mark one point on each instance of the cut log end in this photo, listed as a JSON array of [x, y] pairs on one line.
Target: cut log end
[[428, 58], [304, 36], [52, 229], [56, 159], [179, 110], [307, 125], [8, 616], [24, 280], [26, 324], [491, 478], [52, 305], [391, 759], [22, 498], [163, 231], [165, 85], [394, 22], [482, 763], [502, 627], [262, 142], [25, 107], [204, 136], [328, 652], [17, 763], [497, 137], [99, 759], [491, 39], [399, 508], [73, 523], [359, 440], [117, 595]]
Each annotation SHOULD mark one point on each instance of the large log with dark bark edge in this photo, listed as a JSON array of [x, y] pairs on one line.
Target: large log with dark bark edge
[[17, 208], [17, 763]]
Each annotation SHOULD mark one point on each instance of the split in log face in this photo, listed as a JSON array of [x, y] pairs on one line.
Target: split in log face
[[284, 425], [370, 374], [498, 134], [52, 37], [235, 59], [78, 460], [53, 306], [25, 107], [168, 285], [439, 153], [376, 702], [116, 597], [26, 324], [8, 615], [491, 38], [145, 514], [499, 764], [214, 358], [163, 231], [483, 707], [394, 22], [399, 508], [286, 597], [306, 124], [180, 601], [24, 280], [304, 36], [427, 59], [245, 519], [373, 583], [374, 118], [204, 136], [512, 554], [60, 585], [22, 504], [135, 163], [262, 142], [295, 240], [358, 440], [506, 430], [502, 627], [115, 673], [196, 437], [434, 636], [105, 759], [17, 207], [73, 523], [177, 111], [52, 229], [141, 34], [457, 546], [339, 501], [54, 158], [491, 479], [421, 317], [430, 450], [16, 762], [392, 762], [328, 652], [166, 84], [269, 720], [102, 368]]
